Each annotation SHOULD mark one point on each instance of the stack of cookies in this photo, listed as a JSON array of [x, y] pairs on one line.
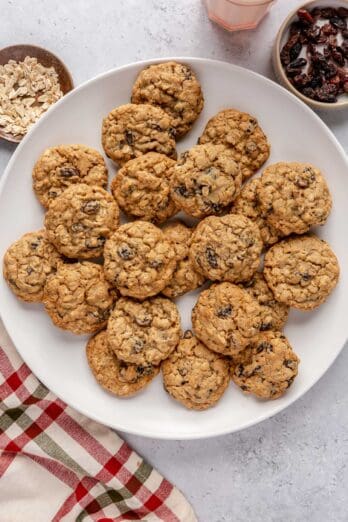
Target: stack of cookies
[[118, 281]]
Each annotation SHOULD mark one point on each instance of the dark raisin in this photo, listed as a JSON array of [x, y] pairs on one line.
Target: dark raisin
[[35, 244], [224, 312], [302, 182], [335, 80], [328, 12], [144, 370], [186, 71], [290, 381], [68, 172], [315, 82], [344, 47], [328, 29], [345, 34], [338, 55], [243, 387], [342, 12], [155, 263], [295, 51], [300, 62], [30, 270], [90, 207], [306, 277], [124, 252], [313, 33], [211, 257], [305, 16], [264, 346], [188, 334], [172, 132], [289, 363], [216, 208], [316, 12], [266, 326], [331, 70], [345, 87], [129, 137], [285, 52], [182, 371], [338, 22], [327, 93], [301, 80], [138, 345], [295, 28], [239, 370], [183, 191]]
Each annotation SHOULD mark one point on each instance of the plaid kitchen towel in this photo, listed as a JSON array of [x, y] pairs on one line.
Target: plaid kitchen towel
[[57, 465]]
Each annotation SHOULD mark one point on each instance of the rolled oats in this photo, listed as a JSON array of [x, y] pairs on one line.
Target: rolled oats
[[27, 90]]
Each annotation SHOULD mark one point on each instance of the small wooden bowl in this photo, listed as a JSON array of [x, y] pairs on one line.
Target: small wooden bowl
[[342, 102], [46, 58]]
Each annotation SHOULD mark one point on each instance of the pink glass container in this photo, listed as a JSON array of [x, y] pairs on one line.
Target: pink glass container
[[236, 15]]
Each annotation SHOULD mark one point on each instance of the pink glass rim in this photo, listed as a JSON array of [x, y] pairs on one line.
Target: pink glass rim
[[251, 4]]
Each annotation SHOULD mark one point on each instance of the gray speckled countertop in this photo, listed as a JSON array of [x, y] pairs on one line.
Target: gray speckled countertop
[[292, 467]]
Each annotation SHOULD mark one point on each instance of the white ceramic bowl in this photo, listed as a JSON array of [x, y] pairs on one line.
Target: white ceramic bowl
[[281, 39]]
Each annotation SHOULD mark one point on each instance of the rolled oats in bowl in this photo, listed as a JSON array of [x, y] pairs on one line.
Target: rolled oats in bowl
[[27, 90]]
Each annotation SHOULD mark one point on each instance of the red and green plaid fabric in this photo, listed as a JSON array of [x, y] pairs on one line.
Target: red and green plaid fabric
[[57, 465]]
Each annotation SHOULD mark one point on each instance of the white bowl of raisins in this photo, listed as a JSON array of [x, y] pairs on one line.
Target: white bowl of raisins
[[310, 54]]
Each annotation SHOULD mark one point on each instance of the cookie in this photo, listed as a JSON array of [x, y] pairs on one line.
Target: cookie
[[144, 333], [132, 130], [206, 180], [194, 375], [80, 220], [226, 248], [142, 187], [27, 264], [185, 278], [301, 271], [273, 313], [294, 197], [117, 377], [242, 134], [139, 260], [271, 368], [247, 203], [173, 87], [225, 318], [60, 167], [78, 298]]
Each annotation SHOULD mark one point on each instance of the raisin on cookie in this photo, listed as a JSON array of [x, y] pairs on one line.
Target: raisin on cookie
[[144, 333], [225, 318], [185, 278], [78, 298], [294, 197], [194, 375], [301, 271], [139, 260], [242, 134], [273, 313], [80, 220], [132, 130], [206, 180], [59, 167], [270, 369], [142, 187], [173, 87], [247, 203], [27, 264], [118, 377], [226, 248]]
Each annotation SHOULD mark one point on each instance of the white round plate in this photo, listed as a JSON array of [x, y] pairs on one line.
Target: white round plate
[[58, 358]]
